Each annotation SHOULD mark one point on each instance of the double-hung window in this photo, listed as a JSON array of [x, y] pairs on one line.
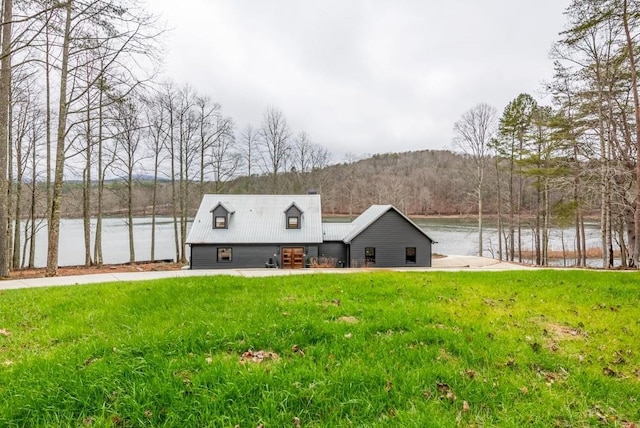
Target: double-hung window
[[220, 222], [293, 222]]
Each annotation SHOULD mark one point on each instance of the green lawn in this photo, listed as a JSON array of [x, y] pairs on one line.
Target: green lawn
[[541, 348]]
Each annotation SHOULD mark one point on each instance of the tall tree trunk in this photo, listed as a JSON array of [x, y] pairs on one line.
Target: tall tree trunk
[[56, 201], [86, 191], [480, 237], [499, 203], [47, 71], [520, 199], [576, 201], [538, 239], [183, 214], [636, 110], [604, 173], [154, 203], [623, 246], [511, 256], [17, 229], [10, 188], [5, 88], [174, 192], [182, 188], [132, 250], [545, 224], [97, 244], [584, 239], [32, 208]]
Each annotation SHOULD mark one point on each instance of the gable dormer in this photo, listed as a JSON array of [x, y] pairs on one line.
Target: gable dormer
[[221, 216], [293, 217]]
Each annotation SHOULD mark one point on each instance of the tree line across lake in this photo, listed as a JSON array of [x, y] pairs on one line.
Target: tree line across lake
[[79, 97]]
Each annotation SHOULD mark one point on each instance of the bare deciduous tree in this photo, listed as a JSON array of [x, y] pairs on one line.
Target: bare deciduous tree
[[473, 132], [275, 144]]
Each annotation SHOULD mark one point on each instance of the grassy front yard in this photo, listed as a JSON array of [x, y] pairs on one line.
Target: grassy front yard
[[541, 348]]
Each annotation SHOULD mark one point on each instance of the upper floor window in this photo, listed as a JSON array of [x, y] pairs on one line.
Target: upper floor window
[[293, 222], [220, 222]]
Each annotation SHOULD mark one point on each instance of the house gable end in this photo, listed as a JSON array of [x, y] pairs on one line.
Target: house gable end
[[392, 240]]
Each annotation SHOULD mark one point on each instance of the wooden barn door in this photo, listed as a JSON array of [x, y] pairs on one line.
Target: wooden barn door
[[292, 257]]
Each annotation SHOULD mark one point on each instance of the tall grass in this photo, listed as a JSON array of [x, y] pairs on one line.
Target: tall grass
[[542, 348]]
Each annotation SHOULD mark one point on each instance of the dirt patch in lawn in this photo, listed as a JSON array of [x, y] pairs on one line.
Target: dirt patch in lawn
[[258, 357], [563, 332]]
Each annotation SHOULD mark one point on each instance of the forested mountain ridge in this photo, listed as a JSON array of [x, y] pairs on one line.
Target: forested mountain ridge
[[426, 182], [423, 182]]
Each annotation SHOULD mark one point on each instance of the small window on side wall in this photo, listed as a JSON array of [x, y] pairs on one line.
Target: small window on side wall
[[224, 254], [410, 255], [370, 255], [293, 222], [220, 222]]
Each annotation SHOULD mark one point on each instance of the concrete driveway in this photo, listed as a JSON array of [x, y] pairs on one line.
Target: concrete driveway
[[448, 263]]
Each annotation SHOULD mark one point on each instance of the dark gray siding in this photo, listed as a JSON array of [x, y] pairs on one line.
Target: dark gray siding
[[336, 250], [312, 251], [390, 235], [293, 210], [219, 210], [204, 256]]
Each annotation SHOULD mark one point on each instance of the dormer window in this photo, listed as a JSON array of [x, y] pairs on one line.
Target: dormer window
[[221, 214], [293, 215], [293, 222], [220, 222]]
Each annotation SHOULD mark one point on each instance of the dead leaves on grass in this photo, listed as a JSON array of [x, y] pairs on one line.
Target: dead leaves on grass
[[297, 350], [258, 357], [262, 356], [608, 416], [619, 360], [445, 392]]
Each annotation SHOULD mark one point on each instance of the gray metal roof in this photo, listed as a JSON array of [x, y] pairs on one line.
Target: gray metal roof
[[336, 231], [258, 219], [368, 217]]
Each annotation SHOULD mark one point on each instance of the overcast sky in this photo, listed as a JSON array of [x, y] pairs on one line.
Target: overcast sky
[[362, 76]]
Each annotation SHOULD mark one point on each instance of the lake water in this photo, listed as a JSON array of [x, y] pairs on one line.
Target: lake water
[[453, 236], [460, 237], [115, 241]]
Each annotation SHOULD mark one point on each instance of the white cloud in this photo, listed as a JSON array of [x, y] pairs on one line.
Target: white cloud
[[362, 76]]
